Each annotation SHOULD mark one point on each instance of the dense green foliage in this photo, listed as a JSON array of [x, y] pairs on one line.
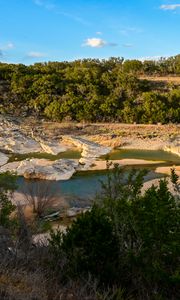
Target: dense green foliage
[[7, 186], [90, 246], [91, 90], [129, 240], [125, 248]]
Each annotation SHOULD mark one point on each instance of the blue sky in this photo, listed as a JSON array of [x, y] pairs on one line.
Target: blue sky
[[56, 30]]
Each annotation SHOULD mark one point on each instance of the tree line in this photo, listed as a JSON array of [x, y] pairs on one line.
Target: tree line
[[92, 90]]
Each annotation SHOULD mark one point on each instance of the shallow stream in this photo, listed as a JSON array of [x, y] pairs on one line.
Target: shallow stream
[[83, 186]]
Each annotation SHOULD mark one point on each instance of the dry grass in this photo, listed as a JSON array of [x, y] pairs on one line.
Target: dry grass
[[106, 140], [167, 79], [55, 130], [22, 285]]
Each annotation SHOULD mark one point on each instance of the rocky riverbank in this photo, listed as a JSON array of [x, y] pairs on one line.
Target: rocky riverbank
[[174, 146], [102, 164], [14, 140], [90, 151], [92, 140], [62, 169], [140, 142]]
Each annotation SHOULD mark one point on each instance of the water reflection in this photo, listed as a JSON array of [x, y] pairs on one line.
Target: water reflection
[[83, 186]]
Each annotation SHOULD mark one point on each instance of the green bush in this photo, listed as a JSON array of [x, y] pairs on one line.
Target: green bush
[[92, 90], [90, 246], [128, 239], [7, 186]]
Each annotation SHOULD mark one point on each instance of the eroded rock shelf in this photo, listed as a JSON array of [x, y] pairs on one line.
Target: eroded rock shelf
[[14, 140]]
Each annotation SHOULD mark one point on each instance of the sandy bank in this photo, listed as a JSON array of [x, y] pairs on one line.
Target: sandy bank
[[101, 164], [167, 170]]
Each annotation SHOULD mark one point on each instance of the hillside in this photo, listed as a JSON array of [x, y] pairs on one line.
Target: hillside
[[92, 90]]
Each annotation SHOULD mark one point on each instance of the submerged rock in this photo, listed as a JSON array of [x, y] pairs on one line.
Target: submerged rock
[[61, 169]]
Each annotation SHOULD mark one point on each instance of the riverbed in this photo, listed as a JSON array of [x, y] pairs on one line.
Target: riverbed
[[81, 189]]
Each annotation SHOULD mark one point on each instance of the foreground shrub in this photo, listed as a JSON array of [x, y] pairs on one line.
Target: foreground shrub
[[89, 246], [129, 240]]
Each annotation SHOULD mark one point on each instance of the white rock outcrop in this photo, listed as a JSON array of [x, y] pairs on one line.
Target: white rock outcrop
[[61, 169], [174, 147], [14, 140], [90, 151], [52, 148]]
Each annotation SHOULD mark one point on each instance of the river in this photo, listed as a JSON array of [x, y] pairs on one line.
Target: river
[[83, 186]]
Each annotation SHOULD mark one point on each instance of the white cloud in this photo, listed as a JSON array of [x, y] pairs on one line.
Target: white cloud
[[34, 54], [97, 43], [98, 32], [170, 6]]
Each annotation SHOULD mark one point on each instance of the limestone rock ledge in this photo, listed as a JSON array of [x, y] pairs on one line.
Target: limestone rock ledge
[[90, 151], [14, 140], [61, 169], [52, 148], [17, 143], [174, 147]]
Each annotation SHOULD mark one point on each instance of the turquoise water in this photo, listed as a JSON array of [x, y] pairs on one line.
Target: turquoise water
[[83, 186], [156, 155]]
